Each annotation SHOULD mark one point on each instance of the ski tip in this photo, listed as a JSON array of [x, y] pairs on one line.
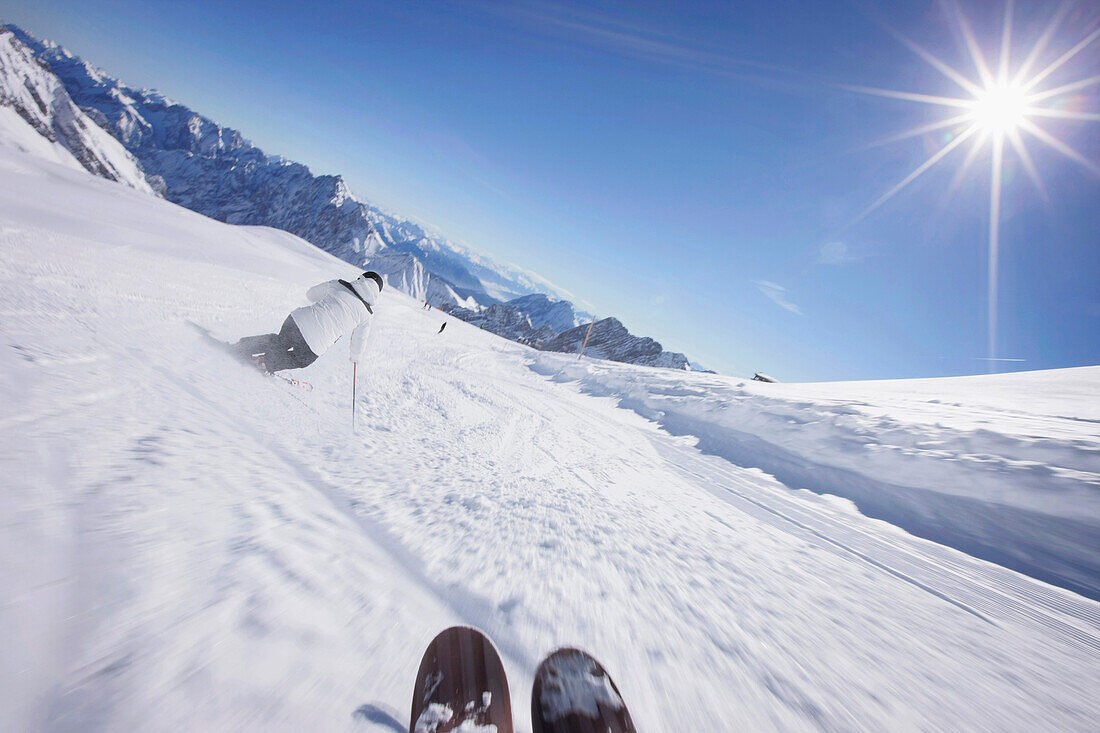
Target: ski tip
[[461, 682], [573, 693], [458, 632]]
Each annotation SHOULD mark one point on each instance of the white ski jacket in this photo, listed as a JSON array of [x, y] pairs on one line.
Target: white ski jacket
[[337, 311]]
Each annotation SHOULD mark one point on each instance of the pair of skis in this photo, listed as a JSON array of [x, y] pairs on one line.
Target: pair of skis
[[461, 686], [258, 363], [299, 383], [251, 361]]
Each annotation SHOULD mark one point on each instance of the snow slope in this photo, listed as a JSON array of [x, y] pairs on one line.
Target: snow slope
[[189, 545]]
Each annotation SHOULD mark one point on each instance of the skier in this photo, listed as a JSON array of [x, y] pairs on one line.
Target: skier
[[338, 308]]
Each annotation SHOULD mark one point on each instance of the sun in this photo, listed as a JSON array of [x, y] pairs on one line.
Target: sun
[[1000, 108], [1000, 111]]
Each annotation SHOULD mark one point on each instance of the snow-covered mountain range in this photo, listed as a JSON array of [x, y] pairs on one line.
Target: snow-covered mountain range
[[504, 320], [544, 311], [30, 91], [214, 170], [531, 319], [553, 325]]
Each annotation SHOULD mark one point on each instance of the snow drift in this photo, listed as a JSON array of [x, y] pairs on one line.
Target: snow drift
[[1003, 467]]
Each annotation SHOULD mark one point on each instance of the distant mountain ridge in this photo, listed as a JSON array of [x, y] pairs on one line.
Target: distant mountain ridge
[[192, 161], [530, 319], [609, 339], [544, 311], [504, 320]]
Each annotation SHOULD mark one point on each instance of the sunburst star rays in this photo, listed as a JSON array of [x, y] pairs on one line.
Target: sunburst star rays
[[998, 106]]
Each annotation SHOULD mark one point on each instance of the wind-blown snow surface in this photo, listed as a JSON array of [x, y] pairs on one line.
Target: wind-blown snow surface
[[188, 545], [1005, 467]]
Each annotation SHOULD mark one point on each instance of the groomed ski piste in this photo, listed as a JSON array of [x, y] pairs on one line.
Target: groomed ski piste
[[188, 545]]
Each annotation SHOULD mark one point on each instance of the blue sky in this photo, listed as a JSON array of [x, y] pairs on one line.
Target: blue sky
[[694, 169]]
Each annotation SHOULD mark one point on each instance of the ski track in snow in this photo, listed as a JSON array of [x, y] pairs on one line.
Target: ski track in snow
[[191, 545]]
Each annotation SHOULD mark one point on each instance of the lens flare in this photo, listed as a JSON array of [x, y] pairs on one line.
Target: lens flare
[[1000, 111]]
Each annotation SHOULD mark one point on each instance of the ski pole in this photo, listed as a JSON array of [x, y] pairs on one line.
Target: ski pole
[[586, 335], [354, 368]]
